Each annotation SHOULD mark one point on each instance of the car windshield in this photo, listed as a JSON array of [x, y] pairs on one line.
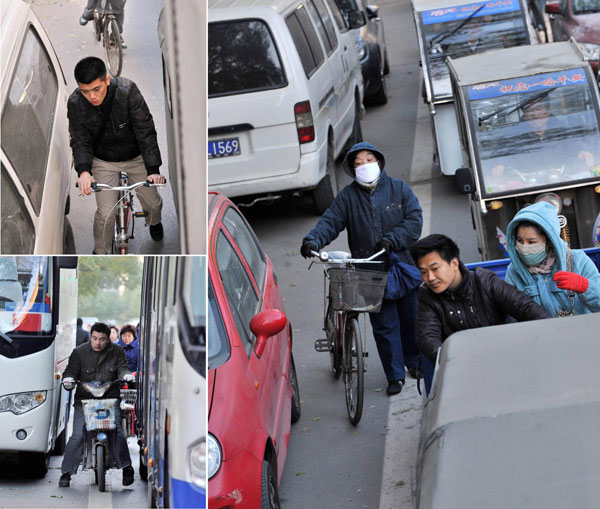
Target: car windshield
[[537, 131], [218, 342], [25, 296], [467, 29], [585, 6]]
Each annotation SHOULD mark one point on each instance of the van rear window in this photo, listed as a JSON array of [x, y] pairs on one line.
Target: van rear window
[[242, 58]]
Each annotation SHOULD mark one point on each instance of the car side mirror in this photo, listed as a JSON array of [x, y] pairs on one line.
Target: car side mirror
[[553, 7], [372, 11], [265, 324], [356, 19], [465, 181]]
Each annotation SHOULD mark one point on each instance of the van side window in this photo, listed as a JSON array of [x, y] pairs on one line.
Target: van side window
[[18, 236], [324, 24], [306, 40], [241, 297], [242, 58], [337, 15], [28, 116]]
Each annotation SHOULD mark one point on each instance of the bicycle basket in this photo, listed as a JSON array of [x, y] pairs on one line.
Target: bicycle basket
[[128, 398], [356, 289], [99, 413]]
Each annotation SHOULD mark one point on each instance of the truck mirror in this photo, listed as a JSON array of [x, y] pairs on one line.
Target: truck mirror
[[465, 181], [356, 19], [553, 7]]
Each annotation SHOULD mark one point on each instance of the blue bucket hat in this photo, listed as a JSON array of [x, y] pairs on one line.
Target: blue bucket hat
[[348, 163]]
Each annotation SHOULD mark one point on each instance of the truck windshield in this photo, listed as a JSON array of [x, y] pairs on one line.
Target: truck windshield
[[25, 296], [536, 131], [465, 30]]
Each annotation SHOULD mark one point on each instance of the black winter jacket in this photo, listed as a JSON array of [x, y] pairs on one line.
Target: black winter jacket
[[87, 365], [481, 299], [120, 129], [390, 212]]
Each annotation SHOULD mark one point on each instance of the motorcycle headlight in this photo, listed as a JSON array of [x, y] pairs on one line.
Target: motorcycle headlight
[[552, 199], [21, 402], [361, 48], [197, 463], [590, 51], [214, 455]]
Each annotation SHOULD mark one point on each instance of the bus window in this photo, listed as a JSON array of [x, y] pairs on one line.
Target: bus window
[[193, 338]]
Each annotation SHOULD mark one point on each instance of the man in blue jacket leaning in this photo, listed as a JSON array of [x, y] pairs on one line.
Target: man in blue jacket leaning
[[379, 212]]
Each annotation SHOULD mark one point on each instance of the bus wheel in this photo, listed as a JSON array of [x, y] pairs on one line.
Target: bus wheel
[[143, 469], [36, 463]]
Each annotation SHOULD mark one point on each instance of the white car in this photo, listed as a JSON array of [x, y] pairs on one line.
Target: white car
[[285, 91], [36, 157]]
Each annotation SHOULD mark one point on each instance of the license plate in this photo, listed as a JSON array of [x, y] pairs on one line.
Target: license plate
[[224, 148]]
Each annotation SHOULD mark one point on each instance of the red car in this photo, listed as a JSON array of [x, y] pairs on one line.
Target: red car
[[579, 19], [253, 391]]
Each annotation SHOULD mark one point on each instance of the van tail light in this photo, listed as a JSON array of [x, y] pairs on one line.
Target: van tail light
[[304, 122]]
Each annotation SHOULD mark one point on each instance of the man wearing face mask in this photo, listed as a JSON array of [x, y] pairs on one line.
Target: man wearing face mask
[[379, 212]]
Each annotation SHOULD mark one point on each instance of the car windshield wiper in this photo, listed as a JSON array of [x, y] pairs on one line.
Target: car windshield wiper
[[519, 106], [445, 35]]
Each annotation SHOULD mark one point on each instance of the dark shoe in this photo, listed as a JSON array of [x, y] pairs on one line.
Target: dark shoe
[[83, 21], [395, 387], [65, 481], [415, 372], [128, 476], [156, 232], [123, 45]]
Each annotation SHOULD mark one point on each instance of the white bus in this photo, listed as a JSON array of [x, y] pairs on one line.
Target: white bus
[[171, 417], [38, 312]]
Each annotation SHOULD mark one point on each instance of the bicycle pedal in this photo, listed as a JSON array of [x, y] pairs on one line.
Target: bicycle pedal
[[322, 345], [140, 214]]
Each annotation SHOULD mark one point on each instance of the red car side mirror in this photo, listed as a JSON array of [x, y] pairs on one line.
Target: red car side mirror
[[553, 7], [265, 324]]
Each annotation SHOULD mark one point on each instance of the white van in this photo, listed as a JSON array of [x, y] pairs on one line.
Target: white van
[[285, 96], [36, 157]]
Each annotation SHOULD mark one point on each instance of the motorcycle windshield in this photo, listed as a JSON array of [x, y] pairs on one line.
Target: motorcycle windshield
[[535, 132], [96, 389], [449, 32]]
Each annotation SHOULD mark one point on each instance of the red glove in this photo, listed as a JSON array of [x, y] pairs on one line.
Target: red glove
[[571, 281]]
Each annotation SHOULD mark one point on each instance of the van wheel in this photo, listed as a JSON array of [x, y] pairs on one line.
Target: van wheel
[[68, 238], [380, 97], [326, 190]]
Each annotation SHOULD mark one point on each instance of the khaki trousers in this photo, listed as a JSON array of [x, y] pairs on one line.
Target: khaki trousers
[[106, 201]]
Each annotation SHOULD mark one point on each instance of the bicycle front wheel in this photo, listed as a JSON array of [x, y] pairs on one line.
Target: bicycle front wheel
[[354, 370], [335, 344], [112, 47]]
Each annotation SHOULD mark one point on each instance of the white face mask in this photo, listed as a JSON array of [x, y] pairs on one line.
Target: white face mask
[[367, 173]]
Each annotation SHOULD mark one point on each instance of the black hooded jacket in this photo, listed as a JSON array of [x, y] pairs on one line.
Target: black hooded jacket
[[118, 130], [481, 299]]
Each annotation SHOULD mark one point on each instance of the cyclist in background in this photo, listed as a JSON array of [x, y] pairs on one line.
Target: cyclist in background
[[118, 6], [379, 212], [112, 131]]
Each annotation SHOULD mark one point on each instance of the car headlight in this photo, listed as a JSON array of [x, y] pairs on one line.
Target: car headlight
[[361, 47], [590, 51], [197, 463], [21, 402], [214, 455], [552, 199]]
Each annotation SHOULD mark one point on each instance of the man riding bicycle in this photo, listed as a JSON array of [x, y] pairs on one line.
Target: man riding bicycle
[[379, 212], [112, 131], [117, 6]]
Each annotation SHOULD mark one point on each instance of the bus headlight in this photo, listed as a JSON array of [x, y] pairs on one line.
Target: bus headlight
[[197, 462], [21, 402], [214, 456]]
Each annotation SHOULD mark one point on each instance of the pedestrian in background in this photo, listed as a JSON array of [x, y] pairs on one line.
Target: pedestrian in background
[[82, 335], [129, 342]]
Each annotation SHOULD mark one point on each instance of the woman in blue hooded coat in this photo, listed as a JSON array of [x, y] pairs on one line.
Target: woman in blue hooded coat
[[129, 342], [378, 212], [539, 263]]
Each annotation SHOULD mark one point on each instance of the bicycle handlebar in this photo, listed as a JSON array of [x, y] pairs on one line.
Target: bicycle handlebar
[[97, 187], [324, 257]]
